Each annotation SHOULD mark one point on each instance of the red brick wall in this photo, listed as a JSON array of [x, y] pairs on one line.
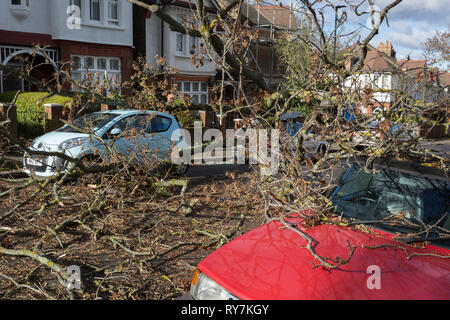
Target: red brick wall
[[25, 38], [125, 53]]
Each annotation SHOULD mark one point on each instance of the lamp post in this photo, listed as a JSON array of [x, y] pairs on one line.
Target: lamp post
[[336, 8]]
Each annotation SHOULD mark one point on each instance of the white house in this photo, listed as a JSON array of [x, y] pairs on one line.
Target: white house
[[97, 35], [178, 49], [386, 77]]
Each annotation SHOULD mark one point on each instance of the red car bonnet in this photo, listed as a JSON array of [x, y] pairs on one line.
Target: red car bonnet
[[270, 262]]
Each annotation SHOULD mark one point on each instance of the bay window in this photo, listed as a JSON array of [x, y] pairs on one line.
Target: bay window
[[186, 44], [197, 90], [103, 69]]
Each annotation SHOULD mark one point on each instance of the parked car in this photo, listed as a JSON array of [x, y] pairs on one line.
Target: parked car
[[371, 135], [313, 144], [139, 135], [271, 261]]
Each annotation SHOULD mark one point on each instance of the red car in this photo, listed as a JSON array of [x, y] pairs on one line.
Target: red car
[[271, 261]]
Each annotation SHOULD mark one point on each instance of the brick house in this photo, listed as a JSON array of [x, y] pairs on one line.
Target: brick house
[[96, 35]]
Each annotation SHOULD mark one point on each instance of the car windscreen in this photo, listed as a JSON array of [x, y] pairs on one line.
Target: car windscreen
[[89, 122], [377, 196]]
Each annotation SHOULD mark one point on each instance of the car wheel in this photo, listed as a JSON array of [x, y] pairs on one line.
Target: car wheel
[[182, 168]]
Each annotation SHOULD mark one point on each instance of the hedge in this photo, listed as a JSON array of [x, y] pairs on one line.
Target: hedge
[[30, 116]]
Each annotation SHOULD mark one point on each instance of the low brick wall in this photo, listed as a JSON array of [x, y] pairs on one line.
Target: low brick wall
[[54, 116], [9, 111]]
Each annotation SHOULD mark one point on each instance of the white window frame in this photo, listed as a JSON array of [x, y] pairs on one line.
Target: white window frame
[[113, 21], [82, 71], [20, 10], [196, 95], [187, 41], [105, 20], [182, 38], [385, 82]]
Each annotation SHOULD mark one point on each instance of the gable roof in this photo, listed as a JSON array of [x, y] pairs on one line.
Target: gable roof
[[281, 17], [412, 66], [378, 61]]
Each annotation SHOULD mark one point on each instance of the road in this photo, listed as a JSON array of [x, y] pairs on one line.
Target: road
[[439, 147]]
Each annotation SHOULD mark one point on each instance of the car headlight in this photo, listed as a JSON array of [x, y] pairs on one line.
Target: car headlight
[[72, 143], [203, 288]]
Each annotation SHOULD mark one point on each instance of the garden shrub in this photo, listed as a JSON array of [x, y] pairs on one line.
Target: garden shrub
[[31, 116]]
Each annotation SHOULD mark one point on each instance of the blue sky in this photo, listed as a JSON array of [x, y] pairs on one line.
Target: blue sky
[[410, 23]]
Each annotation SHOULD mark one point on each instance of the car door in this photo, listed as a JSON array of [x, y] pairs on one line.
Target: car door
[[161, 128], [128, 137]]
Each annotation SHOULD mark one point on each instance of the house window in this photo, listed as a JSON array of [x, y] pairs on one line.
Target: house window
[[180, 43], [198, 91], [21, 3], [104, 69], [113, 12], [76, 63], [101, 63], [95, 10], [75, 3], [193, 44], [114, 64], [20, 8], [89, 63], [385, 82], [186, 44], [366, 81]]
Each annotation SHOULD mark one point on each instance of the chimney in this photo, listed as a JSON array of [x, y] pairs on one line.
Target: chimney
[[387, 48]]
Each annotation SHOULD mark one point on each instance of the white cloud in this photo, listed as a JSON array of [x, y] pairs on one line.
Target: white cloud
[[410, 24]]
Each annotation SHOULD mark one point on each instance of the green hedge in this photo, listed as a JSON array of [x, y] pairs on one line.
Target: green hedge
[[30, 116]]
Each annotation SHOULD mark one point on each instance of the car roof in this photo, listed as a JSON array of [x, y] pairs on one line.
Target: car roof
[[408, 167], [134, 111]]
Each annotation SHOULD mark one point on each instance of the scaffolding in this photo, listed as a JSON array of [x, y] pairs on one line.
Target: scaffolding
[[265, 16], [270, 19]]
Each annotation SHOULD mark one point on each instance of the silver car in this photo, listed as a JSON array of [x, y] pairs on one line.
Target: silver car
[[138, 135], [371, 135], [313, 144]]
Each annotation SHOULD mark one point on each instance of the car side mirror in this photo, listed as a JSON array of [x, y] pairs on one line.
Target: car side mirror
[[115, 132]]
